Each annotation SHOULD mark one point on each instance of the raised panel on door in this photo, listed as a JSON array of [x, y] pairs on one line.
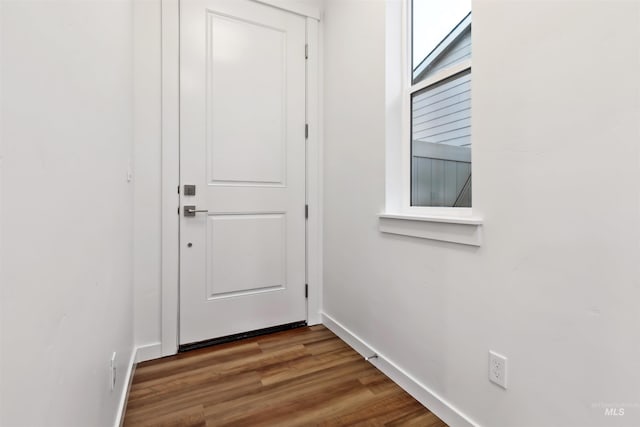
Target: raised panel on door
[[247, 120], [241, 240]]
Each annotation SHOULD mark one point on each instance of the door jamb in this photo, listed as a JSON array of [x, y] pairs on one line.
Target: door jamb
[[171, 166], [170, 22]]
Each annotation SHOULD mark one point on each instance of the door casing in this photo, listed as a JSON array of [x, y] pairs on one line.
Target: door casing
[[171, 165]]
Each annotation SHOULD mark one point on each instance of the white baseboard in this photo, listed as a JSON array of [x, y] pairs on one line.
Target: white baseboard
[[440, 407], [122, 405], [140, 354], [149, 352]]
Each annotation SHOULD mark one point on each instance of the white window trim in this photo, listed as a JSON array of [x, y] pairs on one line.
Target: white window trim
[[456, 225]]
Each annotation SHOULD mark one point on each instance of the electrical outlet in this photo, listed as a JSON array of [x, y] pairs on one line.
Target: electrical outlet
[[113, 371], [498, 369]]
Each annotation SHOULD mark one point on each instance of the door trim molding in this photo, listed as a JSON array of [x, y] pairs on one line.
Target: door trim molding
[[171, 166], [170, 174], [314, 171]]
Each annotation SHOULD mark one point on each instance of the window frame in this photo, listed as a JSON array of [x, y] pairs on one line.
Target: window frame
[[408, 89], [446, 224]]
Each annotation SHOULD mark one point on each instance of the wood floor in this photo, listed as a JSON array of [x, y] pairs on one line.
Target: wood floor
[[301, 377]]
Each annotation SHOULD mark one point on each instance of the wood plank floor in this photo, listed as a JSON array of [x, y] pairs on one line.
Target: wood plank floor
[[305, 376]]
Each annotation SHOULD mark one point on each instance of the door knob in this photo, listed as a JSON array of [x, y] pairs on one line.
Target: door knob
[[191, 210]]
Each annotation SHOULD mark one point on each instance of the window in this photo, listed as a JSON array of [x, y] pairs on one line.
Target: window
[[428, 122], [440, 103]]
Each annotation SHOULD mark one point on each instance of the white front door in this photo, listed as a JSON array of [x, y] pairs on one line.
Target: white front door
[[242, 144]]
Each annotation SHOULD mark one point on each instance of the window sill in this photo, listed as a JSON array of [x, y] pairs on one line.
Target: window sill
[[454, 229]]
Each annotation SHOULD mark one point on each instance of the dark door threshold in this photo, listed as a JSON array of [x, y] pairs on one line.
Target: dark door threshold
[[243, 335]]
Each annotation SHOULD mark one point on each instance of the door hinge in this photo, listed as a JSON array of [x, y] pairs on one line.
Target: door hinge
[[178, 189], [306, 131], [306, 290], [178, 210], [306, 51], [306, 211]]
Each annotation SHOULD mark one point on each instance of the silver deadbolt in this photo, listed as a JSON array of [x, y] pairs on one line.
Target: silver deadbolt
[[190, 210]]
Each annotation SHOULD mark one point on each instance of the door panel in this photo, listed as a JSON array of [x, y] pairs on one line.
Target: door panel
[[255, 243], [242, 143], [247, 135]]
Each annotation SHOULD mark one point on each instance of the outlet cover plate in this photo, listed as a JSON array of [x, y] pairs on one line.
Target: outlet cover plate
[[498, 369]]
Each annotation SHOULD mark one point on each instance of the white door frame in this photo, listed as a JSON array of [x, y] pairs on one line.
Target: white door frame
[[171, 165]]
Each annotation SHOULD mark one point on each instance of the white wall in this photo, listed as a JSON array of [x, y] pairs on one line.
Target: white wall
[[67, 210], [556, 284]]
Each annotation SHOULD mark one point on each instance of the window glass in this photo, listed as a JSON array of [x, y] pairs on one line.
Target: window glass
[[441, 112], [432, 21]]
